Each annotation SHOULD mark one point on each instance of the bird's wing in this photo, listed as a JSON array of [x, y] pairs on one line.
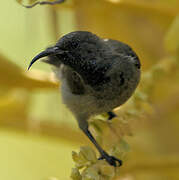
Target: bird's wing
[[120, 47], [75, 82]]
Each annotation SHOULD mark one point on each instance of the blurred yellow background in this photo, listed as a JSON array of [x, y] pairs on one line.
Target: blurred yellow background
[[38, 133]]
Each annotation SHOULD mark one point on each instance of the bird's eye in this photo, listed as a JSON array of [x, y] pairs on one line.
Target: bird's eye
[[89, 51]]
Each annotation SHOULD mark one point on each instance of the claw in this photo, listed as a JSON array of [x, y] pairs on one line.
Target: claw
[[111, 115], [113, 161]]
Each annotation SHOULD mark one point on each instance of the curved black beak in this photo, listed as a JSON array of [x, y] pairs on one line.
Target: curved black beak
[[47, 52]]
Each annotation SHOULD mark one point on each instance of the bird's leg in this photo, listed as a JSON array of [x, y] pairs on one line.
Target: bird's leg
[[111, 115], [110, 159]]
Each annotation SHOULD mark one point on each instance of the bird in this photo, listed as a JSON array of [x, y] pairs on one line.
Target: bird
[[96, 75]]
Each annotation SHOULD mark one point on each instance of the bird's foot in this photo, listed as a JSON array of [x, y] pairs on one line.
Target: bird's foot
[[113, 161]]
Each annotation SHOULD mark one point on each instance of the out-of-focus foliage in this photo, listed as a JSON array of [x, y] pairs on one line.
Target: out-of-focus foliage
[[144, 135], [172, 38]]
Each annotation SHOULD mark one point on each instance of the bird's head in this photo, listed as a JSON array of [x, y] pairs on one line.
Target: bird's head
[[75, 47]]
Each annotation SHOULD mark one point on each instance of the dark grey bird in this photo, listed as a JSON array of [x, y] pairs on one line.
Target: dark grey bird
[[97, 75]]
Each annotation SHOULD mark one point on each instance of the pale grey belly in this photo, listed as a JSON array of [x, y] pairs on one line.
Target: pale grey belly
[[87, 104]]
